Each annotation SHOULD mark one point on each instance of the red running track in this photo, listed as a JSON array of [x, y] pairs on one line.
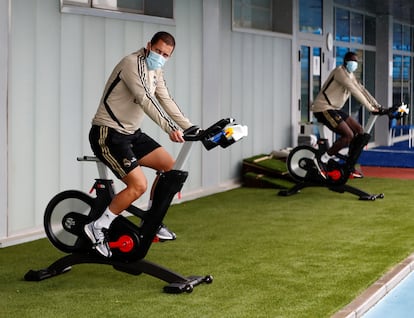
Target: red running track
[[387, 172]]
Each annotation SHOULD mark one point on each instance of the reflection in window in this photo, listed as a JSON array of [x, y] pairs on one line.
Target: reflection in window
[[402, 37], [316, 71], [406, 37], [265, 15], [397, 42], [253, 14], [121, 5], [156, 8], [305, 83], [342, 27], [310, 16], [78, 2], [370, 30], [356, 27], [401, 78], [402, 66]]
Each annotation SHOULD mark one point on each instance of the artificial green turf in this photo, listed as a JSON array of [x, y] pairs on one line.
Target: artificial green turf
[[306, 255]]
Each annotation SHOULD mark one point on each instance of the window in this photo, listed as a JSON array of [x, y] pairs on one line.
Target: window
[[354, 27], [356, 23], [370, 30], [342, 27], [402, 71], [262, 15], [401, 79], [402, 37], [310, 64], [253, 14], [310, 16], [131, 9], [120, 5]]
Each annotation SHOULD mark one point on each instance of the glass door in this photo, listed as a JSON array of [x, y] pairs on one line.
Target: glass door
[[310, 59]]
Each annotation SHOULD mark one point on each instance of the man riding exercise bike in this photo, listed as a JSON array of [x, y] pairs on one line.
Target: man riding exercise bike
[[328, 104]]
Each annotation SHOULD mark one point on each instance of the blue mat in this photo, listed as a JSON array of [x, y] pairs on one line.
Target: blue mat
[[398, 155]]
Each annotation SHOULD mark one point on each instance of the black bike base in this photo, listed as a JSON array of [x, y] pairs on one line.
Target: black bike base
[[188, 285], [177, 283], [336, 188]]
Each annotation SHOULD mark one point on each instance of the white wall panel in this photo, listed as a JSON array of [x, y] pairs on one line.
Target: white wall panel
[[71, 98], [22, 116], [94, 55], [186, 82], [46, 105], [282, 100], [4, 54]]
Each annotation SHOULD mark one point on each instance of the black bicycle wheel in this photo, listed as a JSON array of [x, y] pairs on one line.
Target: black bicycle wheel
[[58, 220], [300, 161]]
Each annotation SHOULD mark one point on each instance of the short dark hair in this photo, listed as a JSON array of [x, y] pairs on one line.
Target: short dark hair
[[350, 56], [163, 36]]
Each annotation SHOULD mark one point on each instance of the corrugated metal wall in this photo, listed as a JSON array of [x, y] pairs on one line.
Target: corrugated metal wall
[[58, 65]]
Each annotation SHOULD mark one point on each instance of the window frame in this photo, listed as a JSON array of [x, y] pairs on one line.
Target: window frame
[[74, 7], [251, 30]]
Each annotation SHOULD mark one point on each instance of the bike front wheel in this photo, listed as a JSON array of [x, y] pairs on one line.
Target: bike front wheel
[[64, 219], [300, 161]]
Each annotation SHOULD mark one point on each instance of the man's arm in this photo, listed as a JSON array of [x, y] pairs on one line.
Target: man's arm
[[134, 76], [169, 105], [357, 90]]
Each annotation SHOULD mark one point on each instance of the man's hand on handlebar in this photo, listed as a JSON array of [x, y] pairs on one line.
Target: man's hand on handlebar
[[396, 111], [176, 136], [380, 111], [193, 130]]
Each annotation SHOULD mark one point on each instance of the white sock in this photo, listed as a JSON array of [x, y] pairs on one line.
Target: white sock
[[325, 157], [105, 220], [149, 204]]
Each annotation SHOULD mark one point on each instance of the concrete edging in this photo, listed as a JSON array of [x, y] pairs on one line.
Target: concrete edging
[[377, 291]]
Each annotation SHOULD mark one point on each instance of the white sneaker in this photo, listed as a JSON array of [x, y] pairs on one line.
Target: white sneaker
[[97, 236], [165, 234], [325, 157]]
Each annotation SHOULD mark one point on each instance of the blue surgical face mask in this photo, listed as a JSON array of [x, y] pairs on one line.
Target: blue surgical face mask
[[155, 61], [351, 66]]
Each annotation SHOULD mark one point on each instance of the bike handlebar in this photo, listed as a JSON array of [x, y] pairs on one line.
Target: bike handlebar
[[194, 133], [222, 133], [396, 111]]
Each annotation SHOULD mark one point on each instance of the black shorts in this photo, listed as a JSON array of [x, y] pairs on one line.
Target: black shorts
[[118, 151], [331, 118]]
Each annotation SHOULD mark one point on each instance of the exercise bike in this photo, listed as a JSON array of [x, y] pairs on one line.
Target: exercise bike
[[68, 212], [303, 162]]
